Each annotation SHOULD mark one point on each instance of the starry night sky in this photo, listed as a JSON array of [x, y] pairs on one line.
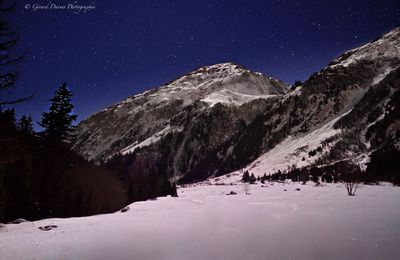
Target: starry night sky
[[121, 48]]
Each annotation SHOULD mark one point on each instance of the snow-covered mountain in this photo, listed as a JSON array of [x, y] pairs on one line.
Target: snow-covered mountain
[[223, 117], [347, 111], [144, 118]]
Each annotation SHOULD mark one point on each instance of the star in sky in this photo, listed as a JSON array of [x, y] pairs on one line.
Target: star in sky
[[126, 47]]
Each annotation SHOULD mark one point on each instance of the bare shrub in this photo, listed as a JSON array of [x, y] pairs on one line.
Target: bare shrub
[[351, 188], [351, 175]]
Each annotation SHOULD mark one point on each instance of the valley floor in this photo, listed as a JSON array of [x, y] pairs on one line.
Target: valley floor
[[205, 223]]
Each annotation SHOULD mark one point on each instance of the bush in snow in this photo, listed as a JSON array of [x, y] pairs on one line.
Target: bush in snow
[[48, 228], [351, 187], [351, 175]]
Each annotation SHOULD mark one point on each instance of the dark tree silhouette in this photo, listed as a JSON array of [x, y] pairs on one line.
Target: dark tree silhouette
[[9, 62], [174, 192], [9, 59], [246, 176], [13, 151], [25, 125], [351, 175], [252, 178], [57, 123], [15, 169]]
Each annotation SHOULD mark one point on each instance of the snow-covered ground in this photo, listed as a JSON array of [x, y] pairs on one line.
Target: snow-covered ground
[[205, 223]]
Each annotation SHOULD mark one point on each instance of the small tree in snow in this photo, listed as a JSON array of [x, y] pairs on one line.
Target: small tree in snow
[[351, 188], [351, 177]]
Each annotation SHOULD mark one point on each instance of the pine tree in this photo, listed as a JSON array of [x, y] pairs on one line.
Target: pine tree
[[252, 178], [9, 61], [246, 176], [57, 123], [25, 125], [15, 169], [9, 152]]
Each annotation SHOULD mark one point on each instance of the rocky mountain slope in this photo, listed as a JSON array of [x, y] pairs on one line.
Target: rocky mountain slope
[[221, 118], [344, 112], [144, 119]]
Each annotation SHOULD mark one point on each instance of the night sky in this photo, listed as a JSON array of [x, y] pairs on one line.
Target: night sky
[[121, 48]]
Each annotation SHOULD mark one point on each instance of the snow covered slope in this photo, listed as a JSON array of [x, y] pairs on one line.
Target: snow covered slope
[[225, 83], [333, 116], [384, 48], [205, 223], [122, 126], [221, 118], [294, 150]]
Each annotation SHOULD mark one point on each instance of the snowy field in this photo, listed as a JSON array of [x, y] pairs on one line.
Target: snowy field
[[205, 223]]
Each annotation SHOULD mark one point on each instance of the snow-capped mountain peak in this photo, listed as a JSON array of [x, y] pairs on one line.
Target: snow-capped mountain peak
[[226, 83], [218, 71], [386, 47], [145, 118], [181, 129]]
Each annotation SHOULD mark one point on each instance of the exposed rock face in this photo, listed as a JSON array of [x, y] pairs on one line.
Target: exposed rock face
[[344, 112], [222, 117], [145, 118]]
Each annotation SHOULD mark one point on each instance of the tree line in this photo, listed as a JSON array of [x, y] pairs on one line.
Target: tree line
[[40, 175]]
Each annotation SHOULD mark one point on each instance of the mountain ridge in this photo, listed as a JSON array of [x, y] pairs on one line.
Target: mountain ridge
[[220, 118], [226, 83]]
